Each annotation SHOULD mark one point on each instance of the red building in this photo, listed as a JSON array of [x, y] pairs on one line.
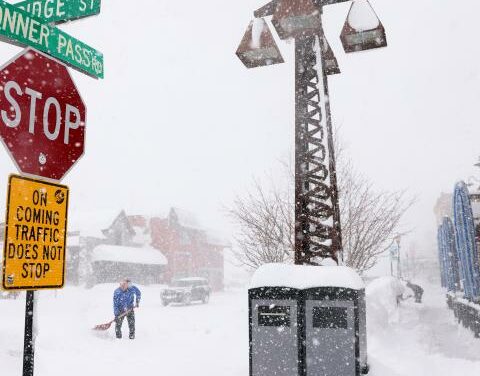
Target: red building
[[191, 251]]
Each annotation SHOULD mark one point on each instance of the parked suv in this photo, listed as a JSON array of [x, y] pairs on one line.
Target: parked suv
[[186, 290]]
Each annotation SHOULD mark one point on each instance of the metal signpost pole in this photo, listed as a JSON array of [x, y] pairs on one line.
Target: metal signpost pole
[[29, 341]]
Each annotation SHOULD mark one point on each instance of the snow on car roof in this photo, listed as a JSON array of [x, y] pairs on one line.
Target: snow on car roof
[[132, 255], [191, 279], [306, 276]]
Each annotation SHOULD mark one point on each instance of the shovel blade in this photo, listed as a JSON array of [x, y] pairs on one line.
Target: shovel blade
[[102, 326]]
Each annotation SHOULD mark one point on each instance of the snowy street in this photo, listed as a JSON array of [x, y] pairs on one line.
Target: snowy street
[[212, 339], [173, 340]]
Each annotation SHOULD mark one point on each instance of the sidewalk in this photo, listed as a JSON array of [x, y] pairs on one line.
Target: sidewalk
[[425, 340]]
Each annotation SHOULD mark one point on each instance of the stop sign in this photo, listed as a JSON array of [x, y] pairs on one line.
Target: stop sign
[[42, 116]]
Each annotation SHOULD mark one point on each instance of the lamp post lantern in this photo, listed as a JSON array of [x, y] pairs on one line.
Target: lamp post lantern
[[258, 48], [317, 214]]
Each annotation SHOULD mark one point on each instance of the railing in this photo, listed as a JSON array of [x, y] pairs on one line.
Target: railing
[[466, 312]]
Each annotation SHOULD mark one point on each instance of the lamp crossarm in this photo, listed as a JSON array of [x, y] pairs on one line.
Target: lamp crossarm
[[269, 8]]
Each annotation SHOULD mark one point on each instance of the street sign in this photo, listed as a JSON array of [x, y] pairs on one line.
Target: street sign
[[35, 235], [58, 11], [19, 27], [42, 116]]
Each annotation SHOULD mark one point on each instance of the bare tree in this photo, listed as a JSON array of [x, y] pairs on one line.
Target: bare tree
[[370, 219], [266, 228]]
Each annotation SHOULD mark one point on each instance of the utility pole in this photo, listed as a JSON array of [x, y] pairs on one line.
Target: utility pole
[[399, 264], [317, 215]]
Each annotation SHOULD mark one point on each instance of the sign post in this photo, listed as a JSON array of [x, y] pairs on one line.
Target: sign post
[[34, 247], [42, 125], [28, 340]]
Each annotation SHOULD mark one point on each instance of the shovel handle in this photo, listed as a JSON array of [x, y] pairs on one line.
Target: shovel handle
[[123, 314]]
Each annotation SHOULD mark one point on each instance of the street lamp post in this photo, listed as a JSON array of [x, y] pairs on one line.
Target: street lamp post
[[317, 214]]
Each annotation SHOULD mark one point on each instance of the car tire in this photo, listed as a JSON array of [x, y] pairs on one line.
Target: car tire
[[187, 299], [206, 298]]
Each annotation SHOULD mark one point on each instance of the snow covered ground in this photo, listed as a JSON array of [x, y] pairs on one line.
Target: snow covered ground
[[212, 339], [421, 339]]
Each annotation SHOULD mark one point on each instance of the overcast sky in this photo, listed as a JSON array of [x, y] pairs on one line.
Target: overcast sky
[[178, 120]]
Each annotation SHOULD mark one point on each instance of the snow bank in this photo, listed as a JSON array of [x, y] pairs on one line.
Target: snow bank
[[381, 296], [302, 276], [115, 253], [362, 16]]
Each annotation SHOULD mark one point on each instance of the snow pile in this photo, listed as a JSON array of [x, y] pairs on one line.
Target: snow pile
[[362, 16], [303, 276], [115, 253], [382, 294]]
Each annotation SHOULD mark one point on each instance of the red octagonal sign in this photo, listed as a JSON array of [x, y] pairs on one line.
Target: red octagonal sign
[[42, 116]]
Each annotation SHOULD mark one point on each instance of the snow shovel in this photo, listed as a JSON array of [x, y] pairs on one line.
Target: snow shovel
[[107, 325]]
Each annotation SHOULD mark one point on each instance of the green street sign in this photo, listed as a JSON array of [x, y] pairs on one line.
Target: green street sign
[[58, 11], [19, 27]]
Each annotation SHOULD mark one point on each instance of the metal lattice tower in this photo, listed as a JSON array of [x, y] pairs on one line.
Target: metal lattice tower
[[317, 218], [317, 214]]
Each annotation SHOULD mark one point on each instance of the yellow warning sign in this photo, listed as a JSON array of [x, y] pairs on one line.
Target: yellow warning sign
[[35, 235]]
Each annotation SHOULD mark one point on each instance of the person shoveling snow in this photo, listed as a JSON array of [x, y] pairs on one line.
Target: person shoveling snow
[[417, 291], [125, 299]]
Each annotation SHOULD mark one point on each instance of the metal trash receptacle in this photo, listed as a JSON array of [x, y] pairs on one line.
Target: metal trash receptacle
[[307, 321], [274, 338]]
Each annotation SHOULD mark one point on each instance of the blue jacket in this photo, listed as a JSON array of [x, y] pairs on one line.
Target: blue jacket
[[124, 300]]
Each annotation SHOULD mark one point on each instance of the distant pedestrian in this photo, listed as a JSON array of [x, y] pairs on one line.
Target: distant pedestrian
[[417, 291], [125, 299]]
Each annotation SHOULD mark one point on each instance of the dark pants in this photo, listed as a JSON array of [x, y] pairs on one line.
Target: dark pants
[[131, 325], [418, 297]]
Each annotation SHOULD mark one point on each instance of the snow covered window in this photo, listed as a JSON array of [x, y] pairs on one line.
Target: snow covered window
[[330, 317], [274, 315]]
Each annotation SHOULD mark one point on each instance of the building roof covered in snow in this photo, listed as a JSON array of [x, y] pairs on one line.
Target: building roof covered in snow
[[131, 255], [184, 218], [306, 276]]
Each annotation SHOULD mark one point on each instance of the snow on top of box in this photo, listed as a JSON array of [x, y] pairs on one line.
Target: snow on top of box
[[306, 276], [131, 255]]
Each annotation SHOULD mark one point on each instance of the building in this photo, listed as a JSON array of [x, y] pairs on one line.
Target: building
[[105, 249], [189, 249], [142, 265]]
